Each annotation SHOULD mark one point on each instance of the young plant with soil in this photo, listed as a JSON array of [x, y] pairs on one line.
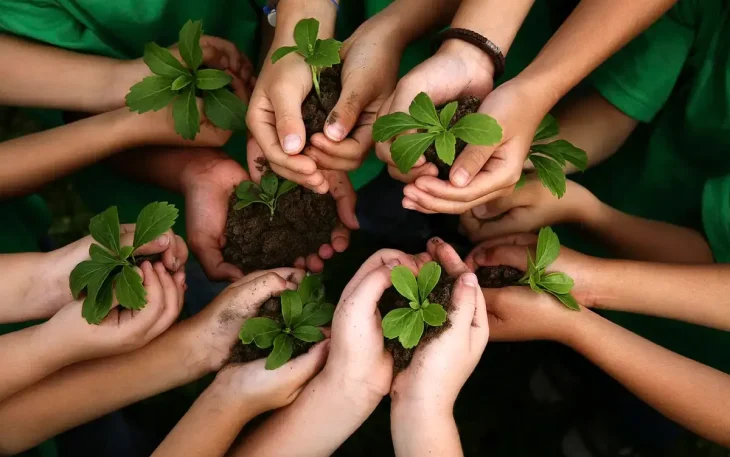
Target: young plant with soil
[[181, 84], [289, 324], [442, 135], [415, 314], [110, 271]]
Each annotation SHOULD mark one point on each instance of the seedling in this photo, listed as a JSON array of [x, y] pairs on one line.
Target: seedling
[[433, 128], [302, 312], [556, 284], [407, 324], [318, 54], [549, 158], [110, 271], [268, 193], [182, 84]]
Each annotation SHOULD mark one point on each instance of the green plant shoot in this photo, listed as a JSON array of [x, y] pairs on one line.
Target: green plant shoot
[[303, 311], [181, 84], [318, 54], [556, 284], [433, 127], [110, 270], [268, 193], [407, 324]]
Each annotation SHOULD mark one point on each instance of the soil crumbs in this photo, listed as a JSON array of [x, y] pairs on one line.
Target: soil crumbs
[[497, 277], [467, 105], [315, 113]]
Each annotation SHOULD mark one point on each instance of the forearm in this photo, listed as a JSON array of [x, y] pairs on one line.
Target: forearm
[[47, 77], [419, 431], [17, 288], [408, 20], [85, 391], [689, 393], [210, 426], [497, 20], [699, 294], [289, 12], [32, 161]]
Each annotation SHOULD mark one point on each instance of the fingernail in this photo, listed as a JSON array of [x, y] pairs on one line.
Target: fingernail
[[461, 177], [436, 240], [480, 211], [182, 279], [393, 263], [357, 222], [407, 204], [469, 279], [335, 132], [175, 263], [292, 143], [164, 240]]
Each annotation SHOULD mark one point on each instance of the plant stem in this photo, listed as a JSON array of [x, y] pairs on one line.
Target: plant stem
[[315, 81]]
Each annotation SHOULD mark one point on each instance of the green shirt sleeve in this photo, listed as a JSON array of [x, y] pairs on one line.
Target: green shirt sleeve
[[639, 79], [716, 217]]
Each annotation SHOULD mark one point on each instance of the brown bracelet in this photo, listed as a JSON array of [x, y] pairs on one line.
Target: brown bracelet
[[471, 37]]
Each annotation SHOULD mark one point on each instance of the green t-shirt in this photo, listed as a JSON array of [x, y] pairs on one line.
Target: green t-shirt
[[674, 79], [716, 217]]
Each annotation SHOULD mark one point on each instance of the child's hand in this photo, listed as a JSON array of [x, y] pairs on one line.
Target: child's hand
[[527, 209], [122, 330], [511, 251]]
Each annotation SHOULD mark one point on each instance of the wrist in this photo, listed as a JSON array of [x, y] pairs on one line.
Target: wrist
[[415, 410], [290, 12], [478, 63], [226, 392], [355, 397]]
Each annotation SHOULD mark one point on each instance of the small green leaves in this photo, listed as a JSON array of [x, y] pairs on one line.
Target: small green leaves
[[189, 44], [186, 115], [407, 149], [281, 353], [281, 52], [109, 269], [423, 110], [326, 54], [434, 315], [478, 129], [316, 314], [161, 61], [446, 147], [428, 277], [412, 330], [269, 184], [225, 110], [447, 113], [210, 79], [305, 35], [557, 284], [260, 330], [550, 173], [291, 306], [548, 128], [394, 322], [268, 193], [181, 82], [151, 94], [405, 283], [308, 334], [386, 127]]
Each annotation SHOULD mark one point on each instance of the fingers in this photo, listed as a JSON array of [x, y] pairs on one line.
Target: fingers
[[222, 54], [176, 256], [173, 291], [363, 301], [314, 263], [314, 181], [421, 259], [447, 257], [287, 104], [346, 198], [424, 169], [249, 296], [156, 246], [510, 255], [464, 301], [469, 163], [343, 117], [155, 295], [377, 260], [293, 275], [421, 200], [306, 366], [208, 251]]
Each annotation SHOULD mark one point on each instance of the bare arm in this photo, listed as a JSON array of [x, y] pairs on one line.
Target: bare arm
[[497, 20], [422, 432]]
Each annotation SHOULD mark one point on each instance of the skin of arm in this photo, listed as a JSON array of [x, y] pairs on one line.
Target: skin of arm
[[694, 395]]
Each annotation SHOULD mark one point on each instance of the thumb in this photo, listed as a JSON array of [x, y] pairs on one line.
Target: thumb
[[346, 112], [287, 106], [156, 246], [469, 163], [464, 301], [306, 366], [510, 255]]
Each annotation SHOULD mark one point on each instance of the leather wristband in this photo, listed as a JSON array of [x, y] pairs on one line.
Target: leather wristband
[[480, 41]]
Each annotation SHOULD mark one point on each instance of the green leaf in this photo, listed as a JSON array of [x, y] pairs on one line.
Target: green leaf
[[291, 306], [394, 322], [151, 94], [104, 228], [560, 151], [130, 291], [125, 252], [186, 115], [281, 353], [388, 126], [326, 54], [434, 315], [568, 300], [82, 274], [225, 110], [181, 82], [246, 202], [247, 189], [305, 35], [404, 282], [162, 62], [95, 309], [446, 147], [533, 283], [308, 334], [447, 113], [315, 314], [307, 287], [559, 283], [406, 149], [269, 184], [189, 44], [548, 128], [478, 129], [428, 277], [281, 52], [548, 248], [423, 110], [154, 220], [210, 79], [260, 330], [550, 152], [412, 330], [414, 305], [100, 255], [285, 186], [550, 173]]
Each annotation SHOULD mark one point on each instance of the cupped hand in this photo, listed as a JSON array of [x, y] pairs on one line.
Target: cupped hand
[[511, 250], [483, 173], [122, 330], [458, 69], [527, 209]]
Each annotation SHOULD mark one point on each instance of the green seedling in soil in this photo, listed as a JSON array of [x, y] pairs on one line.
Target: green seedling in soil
[[433, 127], [407, 324], [268, 193], [110, 271], [556, 284], [550, 158], [318, 54], [181, 84], [303, 312]]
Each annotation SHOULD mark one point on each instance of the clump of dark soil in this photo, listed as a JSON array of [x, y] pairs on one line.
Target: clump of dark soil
[[315, 112], [242, 353], [467, 105], [303, 221], [391, 300], [497, 277]]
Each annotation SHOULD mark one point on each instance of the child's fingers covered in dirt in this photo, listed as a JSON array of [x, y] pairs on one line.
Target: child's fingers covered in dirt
[[445, 255], [292, 275]]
